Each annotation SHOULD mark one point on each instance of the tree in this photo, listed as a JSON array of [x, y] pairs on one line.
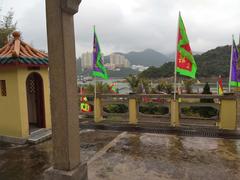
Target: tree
[[7, 26], [101, 88], [164, 86], [134, 83], [188, 86], [206, 89]]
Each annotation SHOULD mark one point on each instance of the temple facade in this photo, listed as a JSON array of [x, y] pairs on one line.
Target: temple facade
[[24, 90]]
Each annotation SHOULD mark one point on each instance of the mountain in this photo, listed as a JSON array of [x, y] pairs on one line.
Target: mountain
[[148, 57], [171, 56], [212, 63]]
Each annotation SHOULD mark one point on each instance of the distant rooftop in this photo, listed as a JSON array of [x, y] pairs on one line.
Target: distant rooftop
[[16, 52]]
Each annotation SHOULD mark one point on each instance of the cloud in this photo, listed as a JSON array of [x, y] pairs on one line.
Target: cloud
[[128, 25]]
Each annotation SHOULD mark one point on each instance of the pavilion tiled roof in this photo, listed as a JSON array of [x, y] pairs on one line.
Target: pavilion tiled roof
[[17, 52]]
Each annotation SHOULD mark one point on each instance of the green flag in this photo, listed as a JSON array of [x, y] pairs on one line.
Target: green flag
[[185, 62], [98, 68]]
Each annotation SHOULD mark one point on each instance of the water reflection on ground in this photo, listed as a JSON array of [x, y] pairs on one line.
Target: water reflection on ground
[[28, 162], [134, 156], [153, 156]]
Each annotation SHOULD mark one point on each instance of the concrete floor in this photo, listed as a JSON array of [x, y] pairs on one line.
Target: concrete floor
[[132, 156]]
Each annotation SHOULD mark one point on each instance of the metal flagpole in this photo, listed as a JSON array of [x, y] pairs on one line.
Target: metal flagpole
[[230, 72], [94, 49], [175, 72]]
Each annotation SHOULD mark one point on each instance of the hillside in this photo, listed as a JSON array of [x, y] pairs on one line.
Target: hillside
[[147, 57], [214, 62]]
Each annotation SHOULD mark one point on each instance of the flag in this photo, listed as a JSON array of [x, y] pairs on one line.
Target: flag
[[235, 66], [220, 86], [98, 68], [84, 105], [185, 63], [113, 88]]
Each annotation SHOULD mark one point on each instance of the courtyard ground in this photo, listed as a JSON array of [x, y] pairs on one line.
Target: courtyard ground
[[113, 155]]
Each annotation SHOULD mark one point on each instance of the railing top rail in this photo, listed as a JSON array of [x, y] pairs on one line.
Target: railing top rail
[[207, 96], [198, 96]]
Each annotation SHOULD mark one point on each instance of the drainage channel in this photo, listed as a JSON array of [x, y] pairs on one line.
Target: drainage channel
[[180, 131]]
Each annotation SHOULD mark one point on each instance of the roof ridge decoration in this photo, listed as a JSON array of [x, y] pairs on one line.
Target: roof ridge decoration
[[18, 52]]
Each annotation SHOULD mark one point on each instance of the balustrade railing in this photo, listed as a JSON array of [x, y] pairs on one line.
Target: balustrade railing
[[158, 109]]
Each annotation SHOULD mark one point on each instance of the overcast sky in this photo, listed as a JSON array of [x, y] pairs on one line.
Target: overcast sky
[[129, 25]]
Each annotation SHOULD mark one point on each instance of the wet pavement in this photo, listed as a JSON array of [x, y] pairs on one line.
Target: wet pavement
[[28, 162], [154, 157], [132, 156]]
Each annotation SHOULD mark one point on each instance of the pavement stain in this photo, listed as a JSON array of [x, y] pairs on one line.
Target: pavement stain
[[152, 155], [28, 162], [134, 156]]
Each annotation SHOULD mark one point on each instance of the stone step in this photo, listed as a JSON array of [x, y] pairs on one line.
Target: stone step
[[40, 135]]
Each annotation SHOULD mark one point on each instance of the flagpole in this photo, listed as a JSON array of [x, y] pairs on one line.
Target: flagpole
[[175, 72], [95, 79], [230, 72]]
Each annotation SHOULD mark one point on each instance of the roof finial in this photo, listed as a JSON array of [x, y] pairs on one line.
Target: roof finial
[[16, 35]]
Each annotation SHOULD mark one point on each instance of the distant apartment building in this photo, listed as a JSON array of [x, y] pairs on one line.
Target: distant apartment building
[[119, 61], [86, 61]]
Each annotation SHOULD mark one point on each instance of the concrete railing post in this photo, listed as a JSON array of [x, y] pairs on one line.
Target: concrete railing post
[[98, 109], [63, 91], [174, 109], [238, 109], [228, 114], [132, 108]]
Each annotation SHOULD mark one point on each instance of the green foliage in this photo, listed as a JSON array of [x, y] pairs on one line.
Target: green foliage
[[7, 26], [115, 108], [166, 70], [153, 108], [188, 85], [165, 86], [214, 62], [205, 112], [101, 88], [137, 84], [206, 90], [146, 85], [133, 82]]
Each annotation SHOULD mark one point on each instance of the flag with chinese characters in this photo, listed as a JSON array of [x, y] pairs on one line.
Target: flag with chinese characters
[[235, 66], [98, 68], [185, 63]]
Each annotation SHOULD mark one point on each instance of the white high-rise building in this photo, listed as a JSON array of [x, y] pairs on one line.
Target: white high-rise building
[[118, 60], [86, 61]]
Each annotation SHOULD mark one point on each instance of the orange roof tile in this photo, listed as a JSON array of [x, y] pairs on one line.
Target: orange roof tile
[[19, 52]]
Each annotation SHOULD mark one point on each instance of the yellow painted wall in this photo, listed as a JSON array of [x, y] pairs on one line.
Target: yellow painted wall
[[14, 117], [10, 121], [174, 113], [133, 111], [228, 114], [97, 110]]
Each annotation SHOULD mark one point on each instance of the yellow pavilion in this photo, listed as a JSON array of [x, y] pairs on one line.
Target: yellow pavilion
[[24, 90]]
